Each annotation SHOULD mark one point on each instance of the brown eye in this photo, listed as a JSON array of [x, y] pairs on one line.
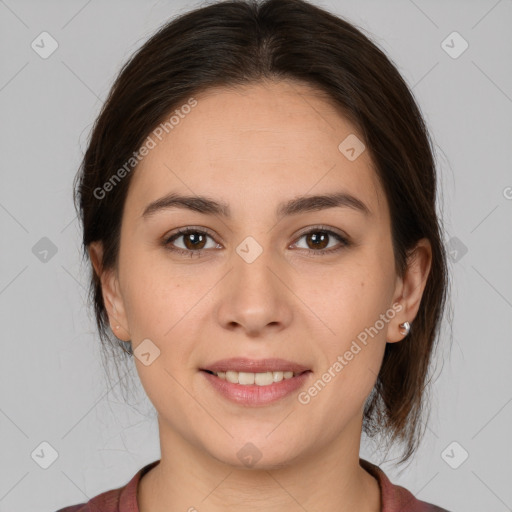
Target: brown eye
[[318, 240], [193, 241]]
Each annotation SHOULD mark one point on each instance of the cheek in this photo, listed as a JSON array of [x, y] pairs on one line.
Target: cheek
[[159, 306], [165, 302], [352, 299], [154, 297], [357, 311], [352, 356]]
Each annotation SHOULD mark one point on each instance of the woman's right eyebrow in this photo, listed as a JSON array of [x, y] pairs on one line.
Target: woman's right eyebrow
[[301, 204], [200, 204]]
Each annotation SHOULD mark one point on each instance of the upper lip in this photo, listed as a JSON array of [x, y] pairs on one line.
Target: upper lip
[[242, 364]]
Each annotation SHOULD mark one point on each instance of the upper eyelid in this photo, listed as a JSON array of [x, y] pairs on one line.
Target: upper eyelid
[[333, 230], [191, 229]]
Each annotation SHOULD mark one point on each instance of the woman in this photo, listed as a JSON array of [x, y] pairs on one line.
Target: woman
[[258, 200]]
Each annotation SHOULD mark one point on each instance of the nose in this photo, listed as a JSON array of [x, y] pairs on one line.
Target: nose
[[255, 296]]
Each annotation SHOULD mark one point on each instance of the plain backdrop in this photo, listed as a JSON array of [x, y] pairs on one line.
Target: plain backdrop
[[57, 407]]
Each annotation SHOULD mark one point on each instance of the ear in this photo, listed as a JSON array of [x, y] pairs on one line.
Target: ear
[[110, 290], [409, 289]]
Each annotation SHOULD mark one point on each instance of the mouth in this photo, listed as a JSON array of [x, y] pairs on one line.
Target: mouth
[[259, 379], [256, 383]]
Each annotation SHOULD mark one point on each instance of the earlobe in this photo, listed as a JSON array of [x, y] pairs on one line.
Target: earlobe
[[118, 326], [399, 331], [405, 328], [111, 295], [114, 304], [412, 287]]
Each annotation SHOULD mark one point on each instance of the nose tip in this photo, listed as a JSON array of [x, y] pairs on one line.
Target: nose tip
[[254, 298]]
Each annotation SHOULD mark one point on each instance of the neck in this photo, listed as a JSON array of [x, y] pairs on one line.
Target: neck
[[188, 479]]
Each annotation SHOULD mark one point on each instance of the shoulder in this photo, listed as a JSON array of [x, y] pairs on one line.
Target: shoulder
[[107, 501], [396, 498], [122, 499]]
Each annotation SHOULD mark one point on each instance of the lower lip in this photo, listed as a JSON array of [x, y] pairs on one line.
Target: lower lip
[[253, 394]]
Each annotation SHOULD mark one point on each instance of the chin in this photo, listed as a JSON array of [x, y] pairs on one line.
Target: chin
[[256, 454]]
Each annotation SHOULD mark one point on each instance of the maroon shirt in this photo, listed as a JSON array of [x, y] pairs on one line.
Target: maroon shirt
[[124, 499]]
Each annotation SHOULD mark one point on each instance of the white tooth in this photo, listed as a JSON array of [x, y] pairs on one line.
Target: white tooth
[[263, 379], [260, 379], [278, 376], [245, 378], [232, 377]]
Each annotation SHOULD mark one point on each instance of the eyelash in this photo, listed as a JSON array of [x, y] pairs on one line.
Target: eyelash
[[188, 230]]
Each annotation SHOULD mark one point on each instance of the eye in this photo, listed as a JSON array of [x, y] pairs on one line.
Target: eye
[[193, 241], [318, 240]]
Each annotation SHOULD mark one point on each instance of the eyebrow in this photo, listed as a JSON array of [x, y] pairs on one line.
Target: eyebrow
[[295, 206]]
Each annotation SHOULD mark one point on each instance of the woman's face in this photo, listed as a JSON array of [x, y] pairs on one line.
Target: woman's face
[[256, 284]]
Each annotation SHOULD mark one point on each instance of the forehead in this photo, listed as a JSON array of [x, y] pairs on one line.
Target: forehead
[[256, 143]]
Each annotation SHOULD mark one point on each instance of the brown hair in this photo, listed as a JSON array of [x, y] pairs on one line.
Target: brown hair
[[237, 42]]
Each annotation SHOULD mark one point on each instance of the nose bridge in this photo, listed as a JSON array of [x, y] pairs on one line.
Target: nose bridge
[[252, 270], [254, 296]]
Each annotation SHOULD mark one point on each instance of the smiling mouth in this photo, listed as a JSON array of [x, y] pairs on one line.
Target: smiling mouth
[[258, 379]]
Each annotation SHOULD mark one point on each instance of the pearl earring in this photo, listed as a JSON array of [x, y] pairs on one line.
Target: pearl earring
[[406, 328]]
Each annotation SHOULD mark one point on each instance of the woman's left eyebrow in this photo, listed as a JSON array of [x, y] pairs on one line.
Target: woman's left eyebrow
[[295, 206]]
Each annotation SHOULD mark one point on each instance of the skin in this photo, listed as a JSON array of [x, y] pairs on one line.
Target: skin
[[253, 147]]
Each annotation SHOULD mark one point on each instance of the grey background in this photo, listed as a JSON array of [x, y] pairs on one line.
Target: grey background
[[53, 386]]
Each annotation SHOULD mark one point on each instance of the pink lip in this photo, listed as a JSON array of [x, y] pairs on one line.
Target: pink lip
[[254, 395], [242, 364]]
